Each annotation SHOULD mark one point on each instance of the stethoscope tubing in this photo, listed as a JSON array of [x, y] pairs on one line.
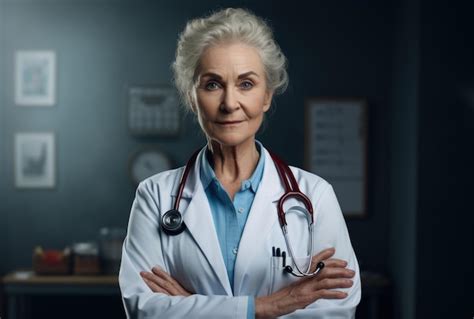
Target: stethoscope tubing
[[291, 191], [184, 178]]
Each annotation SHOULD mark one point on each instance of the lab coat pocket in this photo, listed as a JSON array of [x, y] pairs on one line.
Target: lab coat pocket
[[279, 277]]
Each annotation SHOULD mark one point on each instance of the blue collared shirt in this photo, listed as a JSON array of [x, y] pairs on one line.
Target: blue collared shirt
[[230, 216]]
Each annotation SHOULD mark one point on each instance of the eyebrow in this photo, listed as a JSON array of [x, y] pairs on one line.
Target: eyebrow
[[217, 76]]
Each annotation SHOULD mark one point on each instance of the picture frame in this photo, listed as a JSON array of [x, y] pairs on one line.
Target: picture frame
[[336, 133], [35, 78], [35, 160], [154, 111]]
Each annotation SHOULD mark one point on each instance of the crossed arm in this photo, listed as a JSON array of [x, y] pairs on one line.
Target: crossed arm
[[298, 295], [161, 295]]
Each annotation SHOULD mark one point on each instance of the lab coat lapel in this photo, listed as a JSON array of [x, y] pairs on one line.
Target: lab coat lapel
[[262, 217], [198, 219]]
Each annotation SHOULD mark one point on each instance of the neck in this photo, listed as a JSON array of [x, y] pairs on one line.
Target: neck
[[233, 164]]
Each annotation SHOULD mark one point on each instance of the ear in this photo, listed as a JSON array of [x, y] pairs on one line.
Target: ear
[[267, 102]]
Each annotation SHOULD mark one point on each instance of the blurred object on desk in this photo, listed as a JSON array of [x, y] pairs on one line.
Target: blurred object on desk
[[86, 259], [110, 244], [51, 261]]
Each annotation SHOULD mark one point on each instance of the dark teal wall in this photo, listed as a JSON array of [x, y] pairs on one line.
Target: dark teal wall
[[445, 216], [404, 158], [3, 153], [340, 48]]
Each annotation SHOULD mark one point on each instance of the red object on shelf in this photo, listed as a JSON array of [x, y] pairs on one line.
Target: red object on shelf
[[51, 261], [52, 257]]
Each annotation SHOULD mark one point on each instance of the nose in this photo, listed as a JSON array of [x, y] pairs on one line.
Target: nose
[[230, 101]]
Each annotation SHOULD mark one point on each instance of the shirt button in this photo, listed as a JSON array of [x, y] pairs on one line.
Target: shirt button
[[235, 251], [247, 184], [241, 210]]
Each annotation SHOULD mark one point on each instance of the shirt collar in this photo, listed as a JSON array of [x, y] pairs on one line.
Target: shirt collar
[[208, 175]]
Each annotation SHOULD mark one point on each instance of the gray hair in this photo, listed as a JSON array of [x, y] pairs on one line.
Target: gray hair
[[227, 25]]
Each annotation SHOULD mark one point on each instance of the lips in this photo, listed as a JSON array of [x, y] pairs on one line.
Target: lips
[[229, 122]]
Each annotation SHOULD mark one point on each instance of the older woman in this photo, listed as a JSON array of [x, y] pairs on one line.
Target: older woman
[[231, 235]]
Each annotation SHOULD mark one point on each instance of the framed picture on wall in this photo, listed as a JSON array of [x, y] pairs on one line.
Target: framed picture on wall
[[35, 78], [336, 148], [35, 160], [153, 111]]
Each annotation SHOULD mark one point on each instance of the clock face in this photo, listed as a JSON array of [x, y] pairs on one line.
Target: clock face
[[147, 163]]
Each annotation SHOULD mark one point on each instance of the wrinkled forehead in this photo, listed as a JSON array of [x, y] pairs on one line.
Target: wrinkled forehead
[[230, 60]]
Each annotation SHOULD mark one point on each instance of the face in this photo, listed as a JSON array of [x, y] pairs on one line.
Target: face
[[231, 95]]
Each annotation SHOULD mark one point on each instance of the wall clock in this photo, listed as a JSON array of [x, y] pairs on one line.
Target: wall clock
[[147, 162]]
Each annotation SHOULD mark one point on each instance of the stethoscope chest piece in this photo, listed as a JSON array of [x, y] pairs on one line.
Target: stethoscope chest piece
[[172, 222]]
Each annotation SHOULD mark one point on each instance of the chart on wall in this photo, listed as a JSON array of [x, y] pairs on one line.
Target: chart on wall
[[153, 111], [336, 149]]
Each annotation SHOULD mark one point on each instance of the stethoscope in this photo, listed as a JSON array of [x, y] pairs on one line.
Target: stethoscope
[[172, 222]]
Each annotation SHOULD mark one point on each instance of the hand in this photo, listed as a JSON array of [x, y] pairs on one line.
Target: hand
[[160, 281], [308, 289]]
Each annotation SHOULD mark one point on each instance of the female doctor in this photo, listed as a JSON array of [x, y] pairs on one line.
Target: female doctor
[[235, 234]]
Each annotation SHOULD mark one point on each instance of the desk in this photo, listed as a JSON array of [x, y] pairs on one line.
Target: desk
[[21, 286]]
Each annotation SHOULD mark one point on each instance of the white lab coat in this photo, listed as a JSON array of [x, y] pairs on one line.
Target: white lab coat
[[195, 260]]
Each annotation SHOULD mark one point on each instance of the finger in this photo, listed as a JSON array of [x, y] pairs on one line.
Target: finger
[[154, 287], [164, 284], [331, 283], [331, 294], [163, 274], [335, 272], [169, 282], [150, 281], [323, 255], [333, 262]]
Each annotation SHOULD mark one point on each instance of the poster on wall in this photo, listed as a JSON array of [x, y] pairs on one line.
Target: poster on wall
[[336, 148], [34, 160], [35, 78]]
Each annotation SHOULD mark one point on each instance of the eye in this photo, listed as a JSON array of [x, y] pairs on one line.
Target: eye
[[212, 85], [246, 85]]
